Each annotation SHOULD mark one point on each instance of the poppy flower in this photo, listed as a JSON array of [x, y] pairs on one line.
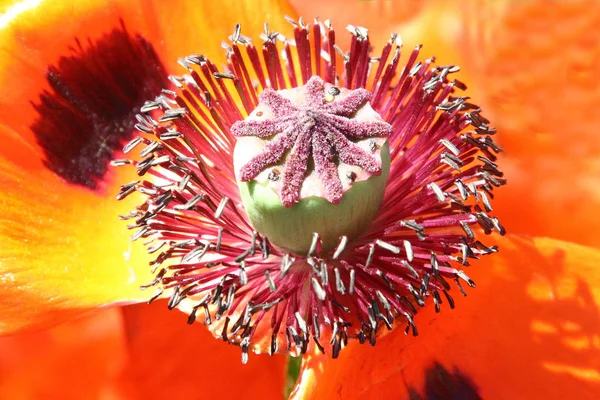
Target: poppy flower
[[382, 367]]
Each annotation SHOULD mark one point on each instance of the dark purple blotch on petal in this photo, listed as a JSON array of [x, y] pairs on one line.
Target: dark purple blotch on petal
[[89, 110], [441, 384]]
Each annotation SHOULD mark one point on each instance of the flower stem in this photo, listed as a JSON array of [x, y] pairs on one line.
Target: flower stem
[[293, 370]]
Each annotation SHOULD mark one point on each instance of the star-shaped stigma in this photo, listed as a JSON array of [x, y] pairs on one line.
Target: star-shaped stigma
[[321, 127]]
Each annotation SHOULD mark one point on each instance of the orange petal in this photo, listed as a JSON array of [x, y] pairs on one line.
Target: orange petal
[[63, 250], [374, 13], [192, 27], [37, 37], [538, 64], [129, 353], [170, 359], [530, 330], [379, 16], [532, 67], [434, 23], [77, 360]]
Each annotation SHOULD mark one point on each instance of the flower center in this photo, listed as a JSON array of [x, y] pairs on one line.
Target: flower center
[[310, 164], [312, 159]]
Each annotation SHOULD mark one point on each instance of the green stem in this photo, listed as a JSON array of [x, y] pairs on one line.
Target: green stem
[[293, 370]]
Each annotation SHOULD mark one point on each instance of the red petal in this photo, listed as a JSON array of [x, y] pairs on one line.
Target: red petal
[[78, 360], [170, 359], [529, 330], [63, 250], [39, 36], [538, 65]]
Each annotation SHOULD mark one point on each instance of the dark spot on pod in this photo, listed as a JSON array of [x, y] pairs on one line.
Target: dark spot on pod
[[274, 175], [373, 145], [351, 175], [334, 91]]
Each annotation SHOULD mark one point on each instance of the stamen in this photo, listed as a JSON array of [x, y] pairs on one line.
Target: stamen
[[321, 295], [409, 250], [301, 131], [387, 246], [341, 247]]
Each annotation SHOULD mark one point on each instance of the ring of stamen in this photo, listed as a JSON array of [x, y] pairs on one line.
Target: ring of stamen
[[212, 262]]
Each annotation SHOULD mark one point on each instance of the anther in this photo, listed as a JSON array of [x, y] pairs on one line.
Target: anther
[[286, 264], [270, 281], [313, 244], [434, 264], [184, 182], [126, 190], [498, 226], [437, 191], [410, 268], [301, 323], [140, 233], [120, 162], [244, 345], [155, 248], [341, 247], [462, 189], [461, 274], [274, 345], [169, 135], [264, 247], [416, 295], [462, 291], [172, 114], [408, 249], [370, 256], [243, 275], [221, 207], [338, 281], [316, 327], [387, 246], [486, 201], [223, 75], [324, 273], [219, 239], [196, 252], [321, 294], [156, 295], [418, 228]]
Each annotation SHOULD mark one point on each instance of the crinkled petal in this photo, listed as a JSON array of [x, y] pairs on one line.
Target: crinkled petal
[[530, 329]]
